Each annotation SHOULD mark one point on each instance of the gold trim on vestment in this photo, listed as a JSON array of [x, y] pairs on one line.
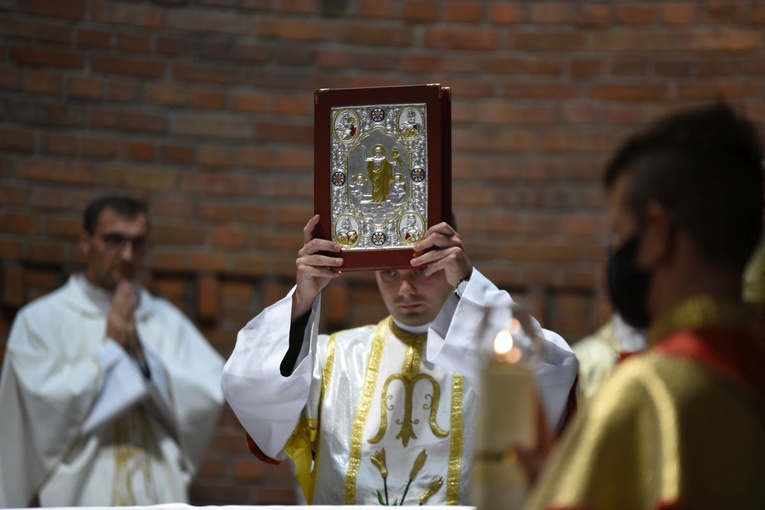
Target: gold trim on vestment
[[362, 411], [698, 311], [455, 448]]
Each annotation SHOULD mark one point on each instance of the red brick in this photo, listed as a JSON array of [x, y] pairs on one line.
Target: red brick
[[212, 125], [507, 13], [295, 159], [294, 104], [728, 90], [214, 183], [10, 250], [59, 143], [11, 79], [16, 139], [377, 9], [420, 11], [252, 265], [98, 147], [679, 13], [48, 199], [624, 92], [293, 6], [207, 297], [208, 98], [291, 29], [85, 87], [196, 73], [216, 156], [58, 226], [549, 13], [207, 261], [17, 223], [127, 66], [214, 211], [72, 9], [463, 11], [46, 252], [13, 195], [529, 41], [174, 46], [725, 12], [422, 63], [538, 90], [757, 13], [169, 94], [134, 42], [134, 177], [171, 207], [178, 154], [13, 286], [119, 90], [89, 38], [40, 170], [129, 121], [635, 14], [460, 39], [252, 214], [39, 32], [592, 15], [41, 82], [733, 39], [51, 57], [138, 150], [125, 14], [208, 21], [230, 237]]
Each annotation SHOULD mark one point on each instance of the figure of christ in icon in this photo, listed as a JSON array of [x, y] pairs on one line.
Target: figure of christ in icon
[[380, 171]]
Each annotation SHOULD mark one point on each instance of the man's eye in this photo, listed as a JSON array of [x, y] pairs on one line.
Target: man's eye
[[421, 271], [388, 273]]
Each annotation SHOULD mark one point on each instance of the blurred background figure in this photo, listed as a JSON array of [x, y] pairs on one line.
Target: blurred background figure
[[680, 426], [600, 352], [109, 394]]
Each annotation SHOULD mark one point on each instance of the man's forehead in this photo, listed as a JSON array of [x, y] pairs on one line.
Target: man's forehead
[[109, 219]]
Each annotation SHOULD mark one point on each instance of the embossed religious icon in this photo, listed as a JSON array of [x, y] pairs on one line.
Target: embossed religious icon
[[382, 170]]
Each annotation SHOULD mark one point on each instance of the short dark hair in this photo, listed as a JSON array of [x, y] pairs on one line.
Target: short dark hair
[[124, 206], [705, 167]]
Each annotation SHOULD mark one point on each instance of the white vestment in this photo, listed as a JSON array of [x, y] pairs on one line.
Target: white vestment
[[80, 425], [365, 403]]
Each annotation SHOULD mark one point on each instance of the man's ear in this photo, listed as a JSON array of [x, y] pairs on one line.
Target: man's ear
[[85, 240], [657, 238]]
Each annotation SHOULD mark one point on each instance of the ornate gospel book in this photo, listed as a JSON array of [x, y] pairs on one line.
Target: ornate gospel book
[[382, 170]]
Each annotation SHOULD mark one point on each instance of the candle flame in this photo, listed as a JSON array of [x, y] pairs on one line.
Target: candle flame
[[503, 342]]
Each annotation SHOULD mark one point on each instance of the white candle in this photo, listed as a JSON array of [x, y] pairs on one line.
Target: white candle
[[506, 420]]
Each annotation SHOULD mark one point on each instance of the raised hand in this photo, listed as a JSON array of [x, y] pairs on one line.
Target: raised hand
[[314, 270], [441, 249], [120, 323]]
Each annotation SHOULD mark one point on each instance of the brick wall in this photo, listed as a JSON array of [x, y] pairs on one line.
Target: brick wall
[[204, 107]]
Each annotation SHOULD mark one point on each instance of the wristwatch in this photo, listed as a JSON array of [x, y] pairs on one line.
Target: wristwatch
[[459, 290]]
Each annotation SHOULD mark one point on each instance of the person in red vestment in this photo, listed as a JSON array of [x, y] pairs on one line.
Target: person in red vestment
[[683, 424]]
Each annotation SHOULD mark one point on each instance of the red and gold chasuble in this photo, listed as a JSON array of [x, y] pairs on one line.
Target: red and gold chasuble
[[681, 426]]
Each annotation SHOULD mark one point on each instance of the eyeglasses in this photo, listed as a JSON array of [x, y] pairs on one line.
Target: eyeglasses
[[117, 242]]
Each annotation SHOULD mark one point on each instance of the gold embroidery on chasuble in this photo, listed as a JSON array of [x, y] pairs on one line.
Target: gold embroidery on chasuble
[[131, 460], [410, 378]]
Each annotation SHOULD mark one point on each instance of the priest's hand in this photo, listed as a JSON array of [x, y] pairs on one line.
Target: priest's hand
[[441, 249], [120, 323], [315, 269]]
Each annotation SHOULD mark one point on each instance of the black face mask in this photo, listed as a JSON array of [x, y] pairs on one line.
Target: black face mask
[[628, 284]]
